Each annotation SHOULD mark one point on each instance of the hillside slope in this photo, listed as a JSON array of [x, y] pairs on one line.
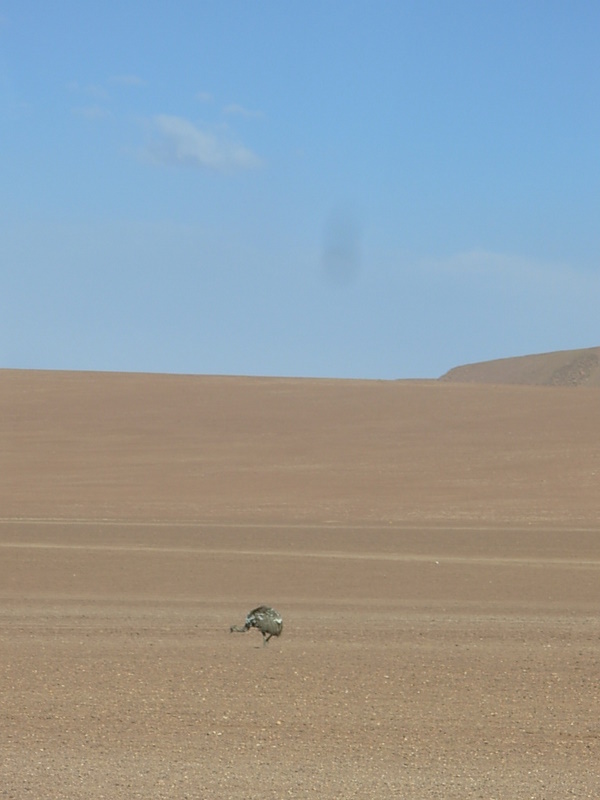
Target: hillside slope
[[269, 450], [560, 368]]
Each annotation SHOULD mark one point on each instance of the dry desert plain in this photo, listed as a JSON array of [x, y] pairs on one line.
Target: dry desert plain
[[434, 548]]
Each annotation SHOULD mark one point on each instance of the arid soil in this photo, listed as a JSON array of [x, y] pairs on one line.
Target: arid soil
[[561, 368], [434, 549]]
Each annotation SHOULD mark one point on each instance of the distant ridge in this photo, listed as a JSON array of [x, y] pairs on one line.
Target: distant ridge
[[559, 368]]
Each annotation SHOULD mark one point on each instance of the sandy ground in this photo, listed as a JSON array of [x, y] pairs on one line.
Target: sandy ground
[[434, 550]]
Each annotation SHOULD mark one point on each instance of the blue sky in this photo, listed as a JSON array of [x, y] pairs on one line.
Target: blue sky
[[329, 189]]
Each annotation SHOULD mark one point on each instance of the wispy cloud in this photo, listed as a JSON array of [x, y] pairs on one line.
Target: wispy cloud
[[517, 275], [92, 113], [524, 304], [91, 90], [486, 263], [234, 109], [128, 80], [177, 141]]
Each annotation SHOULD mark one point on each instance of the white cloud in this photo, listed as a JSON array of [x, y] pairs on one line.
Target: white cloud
[[91, 90], [128, 80], [180, 142], [478, 262], [92, 113], [546, 290], [234, 109], [509, 267]]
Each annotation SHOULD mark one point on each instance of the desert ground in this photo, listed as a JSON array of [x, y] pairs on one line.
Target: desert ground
[[433, 548], [561, 368]]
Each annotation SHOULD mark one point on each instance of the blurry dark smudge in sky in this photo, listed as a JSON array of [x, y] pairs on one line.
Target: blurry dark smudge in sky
[[340, 255]]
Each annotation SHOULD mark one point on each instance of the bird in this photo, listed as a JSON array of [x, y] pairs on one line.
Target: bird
[[266, 619]]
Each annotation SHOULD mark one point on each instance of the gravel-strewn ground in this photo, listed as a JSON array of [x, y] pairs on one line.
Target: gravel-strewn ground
[[398, 674], [434, 548]]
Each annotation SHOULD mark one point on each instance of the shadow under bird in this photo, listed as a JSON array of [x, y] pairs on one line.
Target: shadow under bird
[[265, 619]]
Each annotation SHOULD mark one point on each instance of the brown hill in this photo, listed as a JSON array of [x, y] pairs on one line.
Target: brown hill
[[560, 368], [268, 450]]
